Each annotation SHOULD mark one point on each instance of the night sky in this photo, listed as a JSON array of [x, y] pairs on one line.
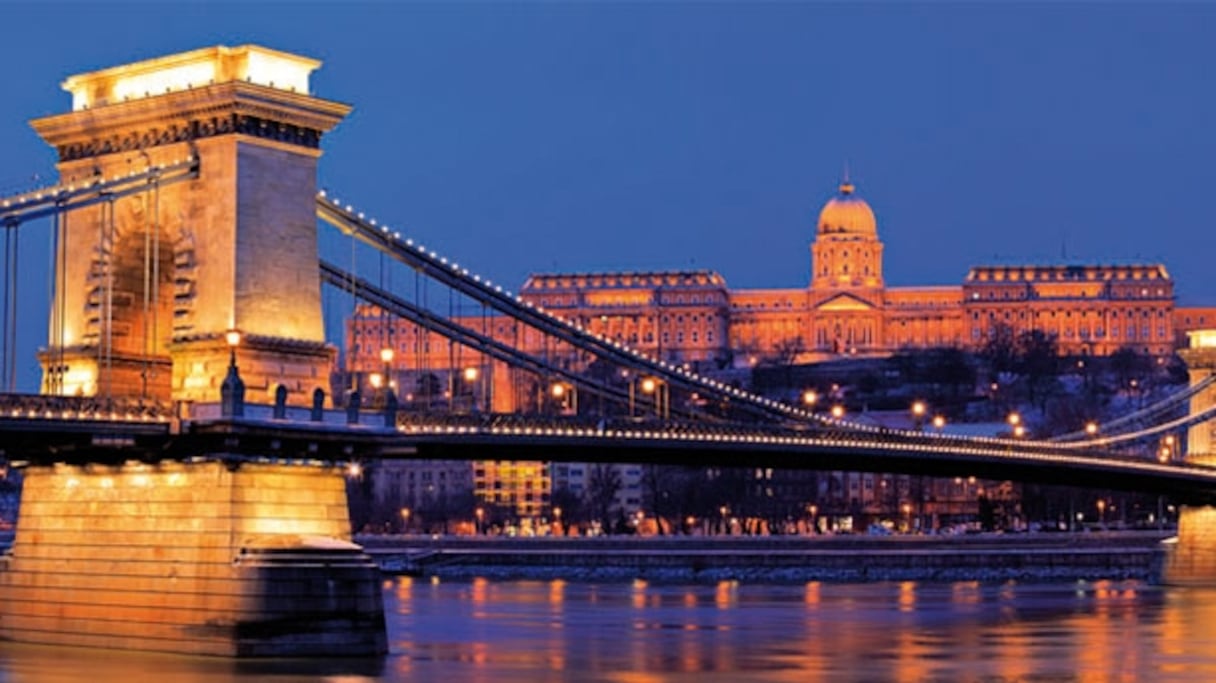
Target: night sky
[[520, 137]]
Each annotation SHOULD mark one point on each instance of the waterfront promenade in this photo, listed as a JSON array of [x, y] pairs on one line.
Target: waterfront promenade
[[777, 559]]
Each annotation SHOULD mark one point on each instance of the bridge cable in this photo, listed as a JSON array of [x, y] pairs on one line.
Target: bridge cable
[[1148, 411], [452, 275], [462, 334]]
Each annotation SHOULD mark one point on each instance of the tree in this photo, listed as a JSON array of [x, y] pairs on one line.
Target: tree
[[999, 351], [1127, 364], [602, 487], [1038, 360], [573, 508]]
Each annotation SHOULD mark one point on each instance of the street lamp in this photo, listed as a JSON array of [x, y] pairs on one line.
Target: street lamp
[[405, 520], [557, 519], [481, 515], [566, 395], [233, 338], [232, 390], [1091, 428], [1014, 419], [918, 414], [837, 411], [939, 422], [386, 357], [810, 398], [652, 386], [1101, 511]]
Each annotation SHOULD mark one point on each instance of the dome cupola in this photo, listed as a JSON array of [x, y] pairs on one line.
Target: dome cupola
[[847, 214]]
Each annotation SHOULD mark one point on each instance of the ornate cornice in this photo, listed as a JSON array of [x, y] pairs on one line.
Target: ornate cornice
[[192, 130], [225, 109]]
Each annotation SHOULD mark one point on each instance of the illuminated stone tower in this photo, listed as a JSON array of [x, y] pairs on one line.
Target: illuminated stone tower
[[149, 284], [1193, 558]]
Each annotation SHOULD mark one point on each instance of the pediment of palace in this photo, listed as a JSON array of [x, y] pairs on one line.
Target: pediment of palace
[[843, 303]]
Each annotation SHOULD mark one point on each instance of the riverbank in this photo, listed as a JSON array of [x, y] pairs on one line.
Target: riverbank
[[983, 557]]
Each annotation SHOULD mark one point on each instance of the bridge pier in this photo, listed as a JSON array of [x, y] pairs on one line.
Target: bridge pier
[[1192, 559], [203, 557]]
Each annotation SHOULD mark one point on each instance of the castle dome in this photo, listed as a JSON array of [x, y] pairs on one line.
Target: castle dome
[[846, 214]]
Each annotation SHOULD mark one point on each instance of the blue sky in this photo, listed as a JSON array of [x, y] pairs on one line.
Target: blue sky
[[519, 137]]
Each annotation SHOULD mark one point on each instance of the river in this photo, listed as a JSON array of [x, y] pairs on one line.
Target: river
[[516, 631]]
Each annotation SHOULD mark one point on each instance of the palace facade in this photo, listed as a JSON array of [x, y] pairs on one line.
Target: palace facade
[[847, 309]]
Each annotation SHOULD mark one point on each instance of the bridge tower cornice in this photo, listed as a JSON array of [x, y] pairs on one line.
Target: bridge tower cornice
[[201, 112]]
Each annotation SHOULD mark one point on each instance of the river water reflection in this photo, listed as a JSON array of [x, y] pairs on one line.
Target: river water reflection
[[501, 632]]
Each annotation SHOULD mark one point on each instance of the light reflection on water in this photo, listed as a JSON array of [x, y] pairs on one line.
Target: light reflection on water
[[502, 632]]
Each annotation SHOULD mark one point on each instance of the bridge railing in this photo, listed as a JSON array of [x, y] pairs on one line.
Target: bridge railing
[[93, 408]]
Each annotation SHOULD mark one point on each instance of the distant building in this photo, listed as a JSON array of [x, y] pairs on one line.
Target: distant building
[[692, 317], [847, 309]]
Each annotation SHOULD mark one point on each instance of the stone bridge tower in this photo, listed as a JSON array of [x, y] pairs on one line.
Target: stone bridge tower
[[1193, 559], [149, 285]]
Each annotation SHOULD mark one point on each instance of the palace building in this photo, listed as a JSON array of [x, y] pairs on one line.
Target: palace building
[[847, 309]]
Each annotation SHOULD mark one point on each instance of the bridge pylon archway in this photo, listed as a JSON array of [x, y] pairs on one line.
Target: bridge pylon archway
[[149, 284]]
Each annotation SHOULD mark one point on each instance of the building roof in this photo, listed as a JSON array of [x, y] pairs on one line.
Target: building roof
[[1067, 273], [846, 214], [683, 279]]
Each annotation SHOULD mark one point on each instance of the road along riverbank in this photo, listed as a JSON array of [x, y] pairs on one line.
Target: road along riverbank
[[982, 557]]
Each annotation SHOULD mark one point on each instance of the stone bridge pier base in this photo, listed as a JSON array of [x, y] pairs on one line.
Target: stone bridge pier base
[[204, 557], [1192, 558]]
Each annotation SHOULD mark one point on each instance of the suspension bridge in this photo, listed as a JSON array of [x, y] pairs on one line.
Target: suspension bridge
[[186, 437]]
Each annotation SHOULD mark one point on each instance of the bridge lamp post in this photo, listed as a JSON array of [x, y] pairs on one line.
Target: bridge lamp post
[[655, 387], [723, 512], [471, 374], [919, 410], [480, 513], [233, 339], [386, 357], [232, 390], [557, 519], [1101, 512], [405, 520], [566, 396]]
